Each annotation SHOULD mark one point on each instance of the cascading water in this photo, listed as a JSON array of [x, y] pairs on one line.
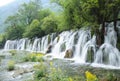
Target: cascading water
[[108, 54], [81, 43], [84, 36]]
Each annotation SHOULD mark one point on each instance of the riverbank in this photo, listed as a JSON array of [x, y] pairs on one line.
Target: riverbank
[[57, 68]]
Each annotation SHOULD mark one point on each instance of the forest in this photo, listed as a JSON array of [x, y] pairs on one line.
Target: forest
[[31, 20]]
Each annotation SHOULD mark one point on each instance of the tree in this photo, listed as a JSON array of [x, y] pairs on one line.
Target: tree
[[96, 12], [101, 11], [14, 31], [49, 24], [18, 22], [43, 13], [29, 11], [71, 13], [33, 30], [2, 40]]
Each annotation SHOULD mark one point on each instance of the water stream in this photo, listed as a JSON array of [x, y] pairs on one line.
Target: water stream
[[80, 42]]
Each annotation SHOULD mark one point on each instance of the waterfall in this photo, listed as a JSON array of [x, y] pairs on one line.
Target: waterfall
[[80, 42], [84, 36], [108, 53]]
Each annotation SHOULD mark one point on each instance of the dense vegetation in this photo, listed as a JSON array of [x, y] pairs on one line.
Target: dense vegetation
[[31, 20]]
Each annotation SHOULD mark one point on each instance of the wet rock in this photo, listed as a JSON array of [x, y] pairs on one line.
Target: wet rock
[[68, 53], [90, 55], [18, 72], [23, 68], [62, 47], [49, 49]]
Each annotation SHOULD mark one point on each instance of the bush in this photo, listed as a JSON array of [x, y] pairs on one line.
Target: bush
[[46, 73], [40, 72], [111, 77], [34, 57], [90, 76], [11, 65], [34, 30]]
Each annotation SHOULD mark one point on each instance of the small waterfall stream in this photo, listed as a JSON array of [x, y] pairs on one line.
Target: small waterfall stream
[[80, 42]]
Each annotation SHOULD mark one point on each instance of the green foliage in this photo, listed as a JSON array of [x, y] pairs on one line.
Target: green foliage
[[61, 22], [2, 40], [40, 72], [72, 15], [32, 21], [11, 65], [29, 11], [14, 33], [90, 76], [43, 13], [14, 30], [49, 24], [111, 77], [77, 13], [44, 72], [33, 30], [34, 57]]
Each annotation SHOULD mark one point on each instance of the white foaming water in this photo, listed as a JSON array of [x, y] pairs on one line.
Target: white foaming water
[[84, 37], [80, 42], [64, 39], [108, 54]]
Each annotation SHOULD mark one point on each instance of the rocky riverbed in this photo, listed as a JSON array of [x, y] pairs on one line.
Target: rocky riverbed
[[24, 71]]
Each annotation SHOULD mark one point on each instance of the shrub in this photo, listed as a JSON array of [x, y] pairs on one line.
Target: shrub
[[90, 76], [111, 77], [43, 73], [34, 57], [40, 72], [11, 65]]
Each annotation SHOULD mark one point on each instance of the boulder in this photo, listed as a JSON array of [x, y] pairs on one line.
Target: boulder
[[49, 49], [68, 53]]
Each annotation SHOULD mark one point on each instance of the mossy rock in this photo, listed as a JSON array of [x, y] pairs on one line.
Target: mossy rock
[[90, 55], [58, 38], [76, 38], [68, 53], [49, 39], [49, 49]]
